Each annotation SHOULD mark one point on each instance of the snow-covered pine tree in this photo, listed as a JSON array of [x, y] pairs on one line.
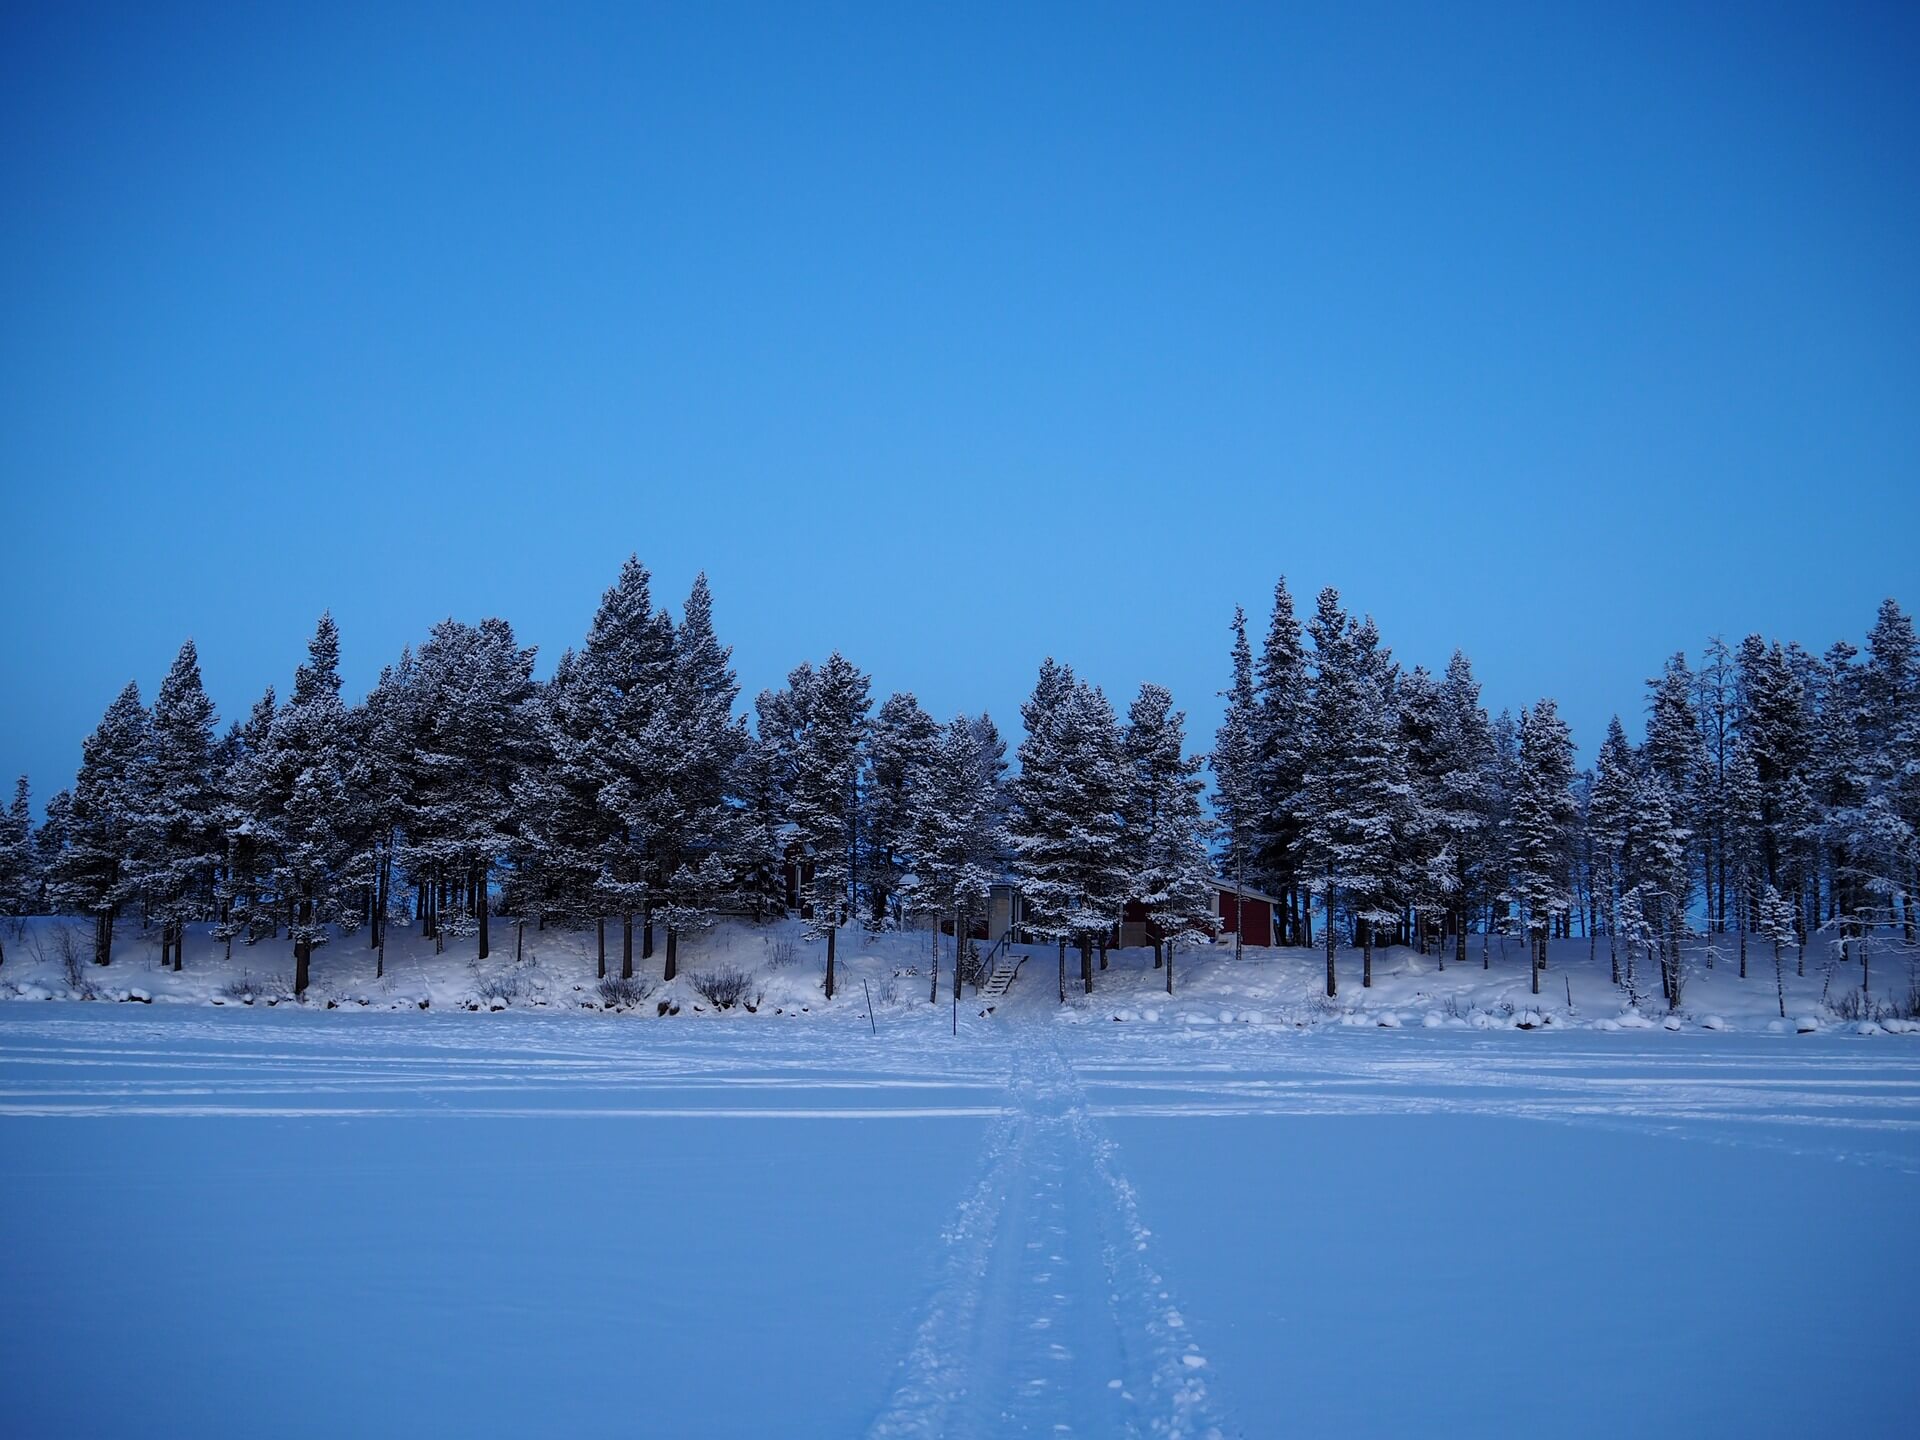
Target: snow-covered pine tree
[[242, 778], [628, 662], [1892, 738], [379, 780], [1460, 797], [902, 746], [306, 806], [1094, 795], [1237, 801], [472, 688], [1166, 827], [1283, 727], [19, 867], [1776, 925], [695, 830], [1657, 847], [1715, 692], [1737, 815], [1674, 752], [830, 715], [957, 840], [1543, 815], [561, 832], [1609, 821], [1426, 861], [760, 851], [1357, 787], [179, 843], [1039, 827], [96, 870]]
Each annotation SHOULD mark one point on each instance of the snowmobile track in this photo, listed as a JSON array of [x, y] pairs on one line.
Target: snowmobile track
[[1050, 1317]]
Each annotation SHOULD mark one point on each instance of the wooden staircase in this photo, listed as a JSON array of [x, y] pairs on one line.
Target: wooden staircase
[[1006, 968]]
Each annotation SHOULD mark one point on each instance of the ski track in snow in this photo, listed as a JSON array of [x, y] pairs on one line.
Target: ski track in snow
[[1052, 1318]]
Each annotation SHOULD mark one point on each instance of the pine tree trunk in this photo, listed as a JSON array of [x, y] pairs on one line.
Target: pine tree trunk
[[1169, 967], [179, 942], [600, 924], [1366, 954], [834, 930], [1063, 969], [1333, 982], [519, 939], [1535, 944], [1103, 952], [626, 946], [1086, 963], [933, 996], [1156, 954], [481, 907], [673, 953], [646, 934]]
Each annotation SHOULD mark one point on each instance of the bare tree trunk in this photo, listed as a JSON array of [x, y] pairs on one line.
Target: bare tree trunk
[[480, 907], [1333, 983]]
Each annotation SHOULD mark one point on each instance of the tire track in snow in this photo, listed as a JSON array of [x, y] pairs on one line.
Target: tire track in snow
[[1051, 1317]]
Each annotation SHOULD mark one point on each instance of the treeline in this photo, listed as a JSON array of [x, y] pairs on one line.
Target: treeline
[[1774, 794], [624, 792]]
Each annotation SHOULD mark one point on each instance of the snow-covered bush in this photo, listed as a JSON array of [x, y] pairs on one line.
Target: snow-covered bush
[[723, 988], [617, 993]]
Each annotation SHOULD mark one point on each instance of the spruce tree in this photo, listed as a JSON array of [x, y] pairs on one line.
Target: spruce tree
[[1237, 771], [1543, 816], [695, 823], [1040, 828], [902, 747], [829, 714], [19, 867], [306, 804], [1282, 728], [180, 840], [628, 663], [1171, 873], [96, 872]]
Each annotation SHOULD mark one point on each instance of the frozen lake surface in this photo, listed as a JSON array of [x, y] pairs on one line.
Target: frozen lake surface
[[245, 1222]]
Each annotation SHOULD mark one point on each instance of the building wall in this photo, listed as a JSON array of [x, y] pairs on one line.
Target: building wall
[[1254, 916]]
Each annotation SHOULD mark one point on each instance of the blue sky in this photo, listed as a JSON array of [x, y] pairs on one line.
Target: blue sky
[[951, 337]]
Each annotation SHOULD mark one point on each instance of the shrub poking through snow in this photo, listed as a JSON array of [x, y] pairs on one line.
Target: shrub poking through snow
[[617, 994], [499, 987], [245, 990], [723, 988], [782, 951]]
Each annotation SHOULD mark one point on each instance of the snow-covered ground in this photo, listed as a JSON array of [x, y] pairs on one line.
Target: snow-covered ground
[[244, 1221], [555, 970]]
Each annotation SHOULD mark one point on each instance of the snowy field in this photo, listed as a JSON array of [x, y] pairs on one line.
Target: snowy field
[[250, 1221]]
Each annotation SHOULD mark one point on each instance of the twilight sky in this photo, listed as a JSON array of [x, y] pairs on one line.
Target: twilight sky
[[951, 337]]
